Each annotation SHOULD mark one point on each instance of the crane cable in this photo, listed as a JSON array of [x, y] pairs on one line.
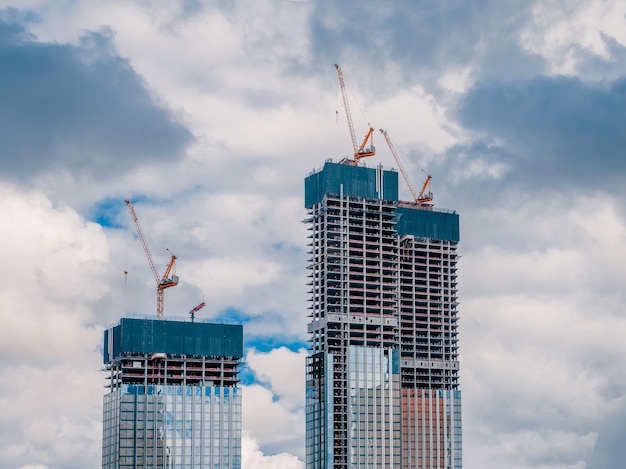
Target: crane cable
[[354, 101], [358, 105]]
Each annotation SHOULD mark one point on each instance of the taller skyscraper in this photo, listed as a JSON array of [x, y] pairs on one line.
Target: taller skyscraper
[[382, 376], [173, 399]]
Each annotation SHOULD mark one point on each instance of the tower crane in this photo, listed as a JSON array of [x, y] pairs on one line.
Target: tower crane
[[359, 151], [194, 310], [420, 197], [164, 281]]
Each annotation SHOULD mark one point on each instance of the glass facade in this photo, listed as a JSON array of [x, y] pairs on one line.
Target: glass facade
[[173, 427], [316, 415], [373, 408], [370, 416], [431, 428]]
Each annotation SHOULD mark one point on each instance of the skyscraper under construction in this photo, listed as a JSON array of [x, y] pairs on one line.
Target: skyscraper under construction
[[173, 399], [382, 377]]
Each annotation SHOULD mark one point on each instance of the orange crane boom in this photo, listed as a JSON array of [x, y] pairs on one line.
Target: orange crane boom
[[362, 151], [164, 281], [423, 196], [194, 310]]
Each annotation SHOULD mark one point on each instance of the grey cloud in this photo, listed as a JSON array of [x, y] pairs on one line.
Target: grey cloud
[[556, 132], [610, 452], [418, 41], [81, 109], [595, 67], [424, 38]]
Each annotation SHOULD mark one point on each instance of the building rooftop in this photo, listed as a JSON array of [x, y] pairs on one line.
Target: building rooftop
[[354, 181], [138, 336], [423, 221]]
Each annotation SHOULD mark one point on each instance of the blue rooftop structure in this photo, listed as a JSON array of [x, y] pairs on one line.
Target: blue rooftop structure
[[138, 336], [377, 183]]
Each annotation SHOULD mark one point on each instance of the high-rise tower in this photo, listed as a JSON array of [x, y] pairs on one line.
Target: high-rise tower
[[173, 399], [382, 377]]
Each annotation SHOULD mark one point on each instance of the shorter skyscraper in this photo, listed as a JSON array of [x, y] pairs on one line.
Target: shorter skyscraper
[[173, 399]]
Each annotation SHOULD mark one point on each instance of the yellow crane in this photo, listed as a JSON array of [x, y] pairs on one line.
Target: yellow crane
[[359, 151], [164, 281], [420, 197]]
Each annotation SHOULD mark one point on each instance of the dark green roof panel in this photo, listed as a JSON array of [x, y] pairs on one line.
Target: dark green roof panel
[[357, 181], [428, 224], [132, 336]]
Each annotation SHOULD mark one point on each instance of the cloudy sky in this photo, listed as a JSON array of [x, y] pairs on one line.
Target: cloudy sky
[[209, 114]]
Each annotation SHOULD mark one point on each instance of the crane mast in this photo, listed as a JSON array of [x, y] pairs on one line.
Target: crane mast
[[359, 151], [164, 281], [420, 197]]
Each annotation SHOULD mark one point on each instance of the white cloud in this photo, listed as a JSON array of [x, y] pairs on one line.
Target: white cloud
[[274, 410], [524, 449], [50, 396], [276, 427], [253, 458], [476, 168], [456, 80], [542, 333], [412, 116], [283, 371], [558, 30], [58, 266]]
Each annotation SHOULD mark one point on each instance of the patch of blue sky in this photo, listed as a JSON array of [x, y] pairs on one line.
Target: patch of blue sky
[[112, 212], [267, 344], [260, 343], [233, 316], [293, 249], [246, 376], [107, 213]]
